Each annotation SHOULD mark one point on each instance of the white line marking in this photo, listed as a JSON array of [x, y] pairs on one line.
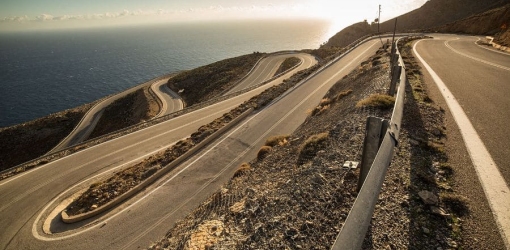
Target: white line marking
[[494, 186], [489, 49], [475, 58]]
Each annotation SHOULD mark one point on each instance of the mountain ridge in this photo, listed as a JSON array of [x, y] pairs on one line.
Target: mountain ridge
[[433, 16]]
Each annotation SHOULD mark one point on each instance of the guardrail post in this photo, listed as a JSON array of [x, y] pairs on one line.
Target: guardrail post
[[395, 77], [374, 134], [393, 49]]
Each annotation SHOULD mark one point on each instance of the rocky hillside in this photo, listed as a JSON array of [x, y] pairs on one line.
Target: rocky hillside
[[493, 22], [350, 34], [432, 15], [435, 13], [133, 108], [29, 140], [206, 82]]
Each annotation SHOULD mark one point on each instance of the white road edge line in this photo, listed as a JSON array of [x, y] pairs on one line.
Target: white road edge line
[[493, 50], [494, 186], [474, 58]]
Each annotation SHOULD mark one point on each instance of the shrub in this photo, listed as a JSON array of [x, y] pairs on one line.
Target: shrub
[[311, 146], [455, 203], [264, 150], [244, 168], [342, 94], [378, 101], [280, 140]]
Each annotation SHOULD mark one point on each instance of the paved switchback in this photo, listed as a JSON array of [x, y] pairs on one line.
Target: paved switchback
[[171, 101], [26, 199]]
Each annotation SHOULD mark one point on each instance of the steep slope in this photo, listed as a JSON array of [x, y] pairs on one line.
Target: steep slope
[[435, 13], [493, 22], [350, 34]]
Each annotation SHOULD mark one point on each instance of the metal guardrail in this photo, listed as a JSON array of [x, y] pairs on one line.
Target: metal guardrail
[[353, 232]]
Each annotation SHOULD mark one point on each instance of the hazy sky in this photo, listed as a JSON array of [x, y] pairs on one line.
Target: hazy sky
[[47, 14]]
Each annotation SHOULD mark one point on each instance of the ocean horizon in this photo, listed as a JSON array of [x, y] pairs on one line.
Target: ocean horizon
[[43, 72]]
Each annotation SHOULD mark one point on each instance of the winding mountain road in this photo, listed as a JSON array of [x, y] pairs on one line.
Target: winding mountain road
[[28, 207], [263, 71], [28, 202], [170, 103], [28, 199]]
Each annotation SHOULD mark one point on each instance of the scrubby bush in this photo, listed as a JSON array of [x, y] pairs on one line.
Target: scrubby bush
[[311, 146], [264, 150], [279, 140], [243, 169], [378, 101]]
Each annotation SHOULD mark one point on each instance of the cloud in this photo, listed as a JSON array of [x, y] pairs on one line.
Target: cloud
[[16, 19], [44, 17], [64, 17], [214, 12]]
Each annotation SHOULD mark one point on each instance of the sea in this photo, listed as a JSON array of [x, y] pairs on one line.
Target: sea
[[43, 72]]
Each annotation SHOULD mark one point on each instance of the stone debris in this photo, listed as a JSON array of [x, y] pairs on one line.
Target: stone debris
[[206, 236], [438, 211], [428, 197]]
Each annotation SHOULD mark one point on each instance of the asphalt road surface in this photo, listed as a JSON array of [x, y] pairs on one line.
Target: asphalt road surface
[[475, 83], [171, 101], [481, 85], [89, 121]]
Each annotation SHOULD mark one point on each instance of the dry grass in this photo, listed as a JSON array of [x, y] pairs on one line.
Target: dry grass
[[311, 146], [326, 103], [243, 169], [280, 140], [342, 94], [455, 203], [378, 101], [263, 152]]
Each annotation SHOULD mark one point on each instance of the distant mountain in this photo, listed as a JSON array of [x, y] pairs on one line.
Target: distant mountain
[[494, 22], [351, 34], [433, 14]]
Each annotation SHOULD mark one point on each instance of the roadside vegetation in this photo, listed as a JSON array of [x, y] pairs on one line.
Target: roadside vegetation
[[308, 150], [377, 101]]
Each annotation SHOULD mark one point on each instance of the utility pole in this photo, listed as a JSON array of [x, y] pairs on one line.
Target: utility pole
[[379, 19]]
